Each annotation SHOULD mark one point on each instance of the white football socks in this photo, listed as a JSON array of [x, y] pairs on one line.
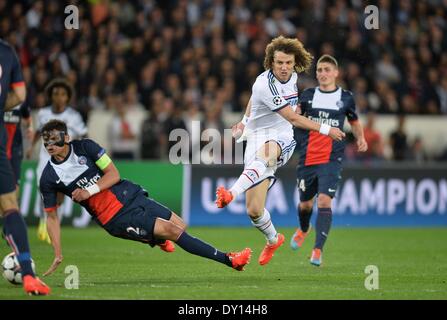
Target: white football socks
[[265, 225], [249, 176]]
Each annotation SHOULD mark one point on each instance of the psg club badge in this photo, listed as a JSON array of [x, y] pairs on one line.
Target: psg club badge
[[82, 160], [339, 104]]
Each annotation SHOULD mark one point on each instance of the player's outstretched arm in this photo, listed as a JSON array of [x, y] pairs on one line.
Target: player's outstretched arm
[[54, 231], [304, 123]]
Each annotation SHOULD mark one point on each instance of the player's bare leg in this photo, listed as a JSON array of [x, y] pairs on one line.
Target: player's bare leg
[[304, 215], [265, 157], [168, 245], [17, 238], [260, 217], [178, 221], [323, 225], [165, 229]]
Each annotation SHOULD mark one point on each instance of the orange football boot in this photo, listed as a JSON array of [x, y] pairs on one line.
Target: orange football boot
[[240, 259], [269, 250], [35, 286], [298, 238], [316, 258], [224, 197], [167, 246]]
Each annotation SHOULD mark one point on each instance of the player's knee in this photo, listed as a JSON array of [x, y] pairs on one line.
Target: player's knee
[[174, 232], [324, 201], [306, 205], [269, 153], [167, 230], [177, 220], [254, 210]]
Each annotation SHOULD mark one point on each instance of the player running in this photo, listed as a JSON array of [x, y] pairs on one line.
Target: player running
[[82, 170], [14, 226], [267, 126], [59, 93], [319, 170]]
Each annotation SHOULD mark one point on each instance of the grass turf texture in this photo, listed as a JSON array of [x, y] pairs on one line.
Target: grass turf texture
[[412, 265]]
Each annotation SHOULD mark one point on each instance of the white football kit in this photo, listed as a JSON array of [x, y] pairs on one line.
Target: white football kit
[[269, 95]]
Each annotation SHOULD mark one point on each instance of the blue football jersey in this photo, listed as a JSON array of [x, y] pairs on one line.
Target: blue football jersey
[[329, 107], [79, 170], [10, 73]]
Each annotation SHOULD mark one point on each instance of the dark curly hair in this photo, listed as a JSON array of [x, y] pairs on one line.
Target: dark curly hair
[[303, 59], [58, 83]]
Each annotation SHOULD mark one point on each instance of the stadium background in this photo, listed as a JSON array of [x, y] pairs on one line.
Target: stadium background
[[143, 68]]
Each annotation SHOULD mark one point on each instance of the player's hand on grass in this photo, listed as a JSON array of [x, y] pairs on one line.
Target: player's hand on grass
[[237, 130], [336, 134], [80, 195], [56, 262], [362, 146]]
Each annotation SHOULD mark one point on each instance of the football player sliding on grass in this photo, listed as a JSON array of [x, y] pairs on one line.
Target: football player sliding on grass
[[82, 170]]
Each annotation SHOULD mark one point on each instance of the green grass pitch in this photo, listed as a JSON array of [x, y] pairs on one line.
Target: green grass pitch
[[412, 264]]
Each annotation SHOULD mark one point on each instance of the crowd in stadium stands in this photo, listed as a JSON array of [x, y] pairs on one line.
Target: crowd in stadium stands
[[184, 60]]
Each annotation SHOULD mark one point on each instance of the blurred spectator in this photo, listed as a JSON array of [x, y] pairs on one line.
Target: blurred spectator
[[374, 140], [122, 131], [173, 121], [386, 70], [192, 49], [442, 94], [164, 118], [417, 152], [398, 141], [278, 24]]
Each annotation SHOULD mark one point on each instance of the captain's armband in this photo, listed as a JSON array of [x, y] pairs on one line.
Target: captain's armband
[[103, 162]]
